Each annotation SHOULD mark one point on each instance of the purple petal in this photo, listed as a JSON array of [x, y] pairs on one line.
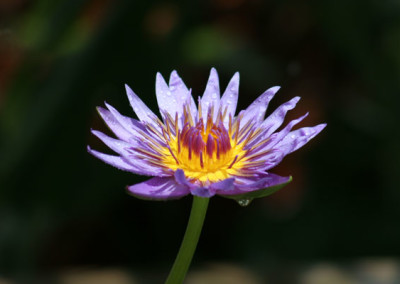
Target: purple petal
[[230, 98], [176, 84], [165, 99], [275, 120], [268, 181], [130, 124], [116, 145], [203, 191], [182, 94], [159, 188], [130, 165], [140, 108], [223, 186], [211, 96], [180, 177], [296, 139], [137, 165], [258, 108], [114, 124], [278, 136], [115, 161], [273, 158], [270, 160]]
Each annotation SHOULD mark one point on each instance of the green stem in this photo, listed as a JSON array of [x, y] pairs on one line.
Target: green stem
[[189, 243]]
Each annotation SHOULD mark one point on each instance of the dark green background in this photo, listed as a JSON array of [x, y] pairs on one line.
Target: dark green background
[[62, 208]]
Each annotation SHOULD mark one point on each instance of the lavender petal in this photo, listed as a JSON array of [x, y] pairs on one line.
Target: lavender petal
[[180, 177], [116, 145], [268, 181], [130, 124], [275, 138], [159, 188], [275, 120], [296, 139], [114, 125], [261, 188], [258, 108], [203, 191], [182, 94], [167, 102], [230, 98], [223, 186], [139, 107], [115, 161], [211, 96]]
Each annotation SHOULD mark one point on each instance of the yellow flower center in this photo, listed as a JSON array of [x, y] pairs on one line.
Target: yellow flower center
[[206, 152]]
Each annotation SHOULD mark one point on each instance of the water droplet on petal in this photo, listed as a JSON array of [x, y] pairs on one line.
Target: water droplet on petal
[[214, 95], [172, 88], [244, 202], [228, 102], [168, 93], [233, 89]]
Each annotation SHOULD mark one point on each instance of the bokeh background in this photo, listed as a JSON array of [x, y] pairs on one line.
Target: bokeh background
[[65, 217]]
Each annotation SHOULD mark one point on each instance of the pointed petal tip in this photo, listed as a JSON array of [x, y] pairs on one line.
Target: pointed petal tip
[[109, 107], [213, 78], [274, 89], [128, 89], [160, 81], [159, 76], [95, 132], [131, 94], [99, 109], [305, 115], [173, 77], [299, 119], [321, 126]]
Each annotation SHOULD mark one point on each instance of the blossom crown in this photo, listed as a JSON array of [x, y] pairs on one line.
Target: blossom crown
[[202, 149]]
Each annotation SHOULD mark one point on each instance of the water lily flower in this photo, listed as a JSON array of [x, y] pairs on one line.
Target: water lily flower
[[202, 149]]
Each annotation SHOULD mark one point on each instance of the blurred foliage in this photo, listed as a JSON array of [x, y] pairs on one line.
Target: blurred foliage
[[60, 207]]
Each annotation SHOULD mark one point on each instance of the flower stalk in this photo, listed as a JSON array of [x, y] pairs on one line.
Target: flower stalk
[[190, 240]]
